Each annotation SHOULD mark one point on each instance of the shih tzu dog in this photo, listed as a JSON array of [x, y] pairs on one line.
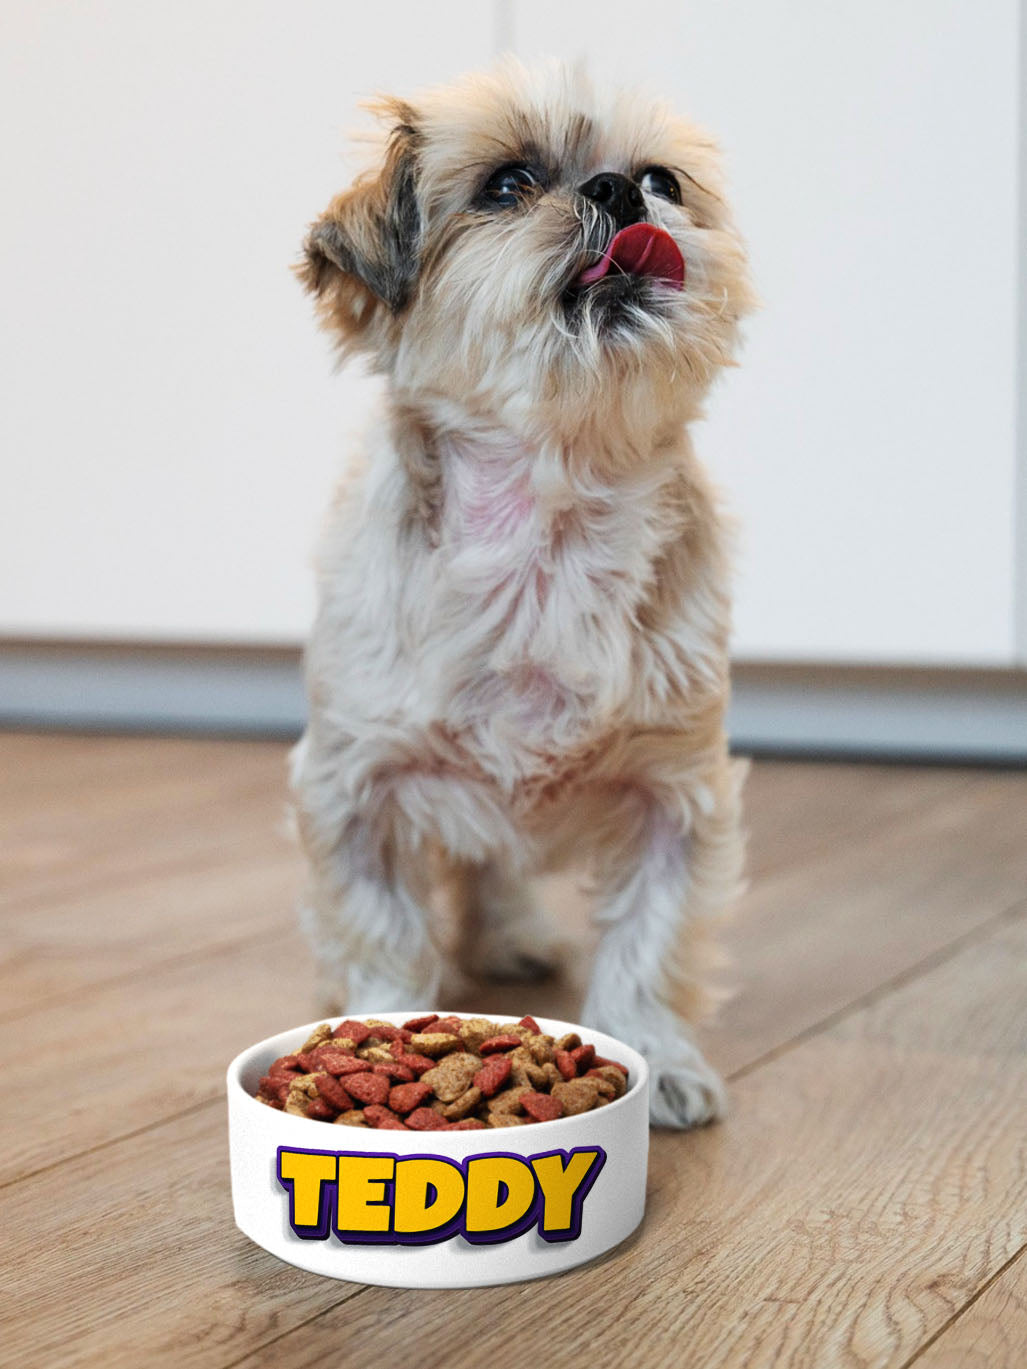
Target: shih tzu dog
[[520, 655]]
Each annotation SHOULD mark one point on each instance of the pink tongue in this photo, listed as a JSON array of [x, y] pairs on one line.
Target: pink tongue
[[641, 249]]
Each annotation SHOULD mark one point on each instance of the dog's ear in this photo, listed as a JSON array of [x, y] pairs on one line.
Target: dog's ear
[[361, 256]]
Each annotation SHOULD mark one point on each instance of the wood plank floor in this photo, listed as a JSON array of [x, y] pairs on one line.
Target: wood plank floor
[[865, 1203]]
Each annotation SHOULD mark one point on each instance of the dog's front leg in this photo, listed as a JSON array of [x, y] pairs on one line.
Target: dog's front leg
[[366, 920], [658, 882]]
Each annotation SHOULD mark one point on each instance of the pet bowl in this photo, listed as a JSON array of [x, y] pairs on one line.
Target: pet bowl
[[518, 1202]]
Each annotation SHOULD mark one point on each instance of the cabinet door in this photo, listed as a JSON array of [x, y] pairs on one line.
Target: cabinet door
[[170, 426], [868, 440]]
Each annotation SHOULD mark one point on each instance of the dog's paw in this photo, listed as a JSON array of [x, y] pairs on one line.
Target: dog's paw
[[685, 1093], [528, 950]]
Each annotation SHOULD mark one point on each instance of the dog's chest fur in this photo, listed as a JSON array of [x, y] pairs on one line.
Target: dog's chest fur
[[537, 579]]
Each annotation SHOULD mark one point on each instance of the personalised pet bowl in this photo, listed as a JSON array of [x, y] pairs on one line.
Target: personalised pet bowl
[[437, 1209]]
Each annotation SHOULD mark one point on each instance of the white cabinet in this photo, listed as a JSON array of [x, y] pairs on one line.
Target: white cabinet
[[170, 425], [868, 442]]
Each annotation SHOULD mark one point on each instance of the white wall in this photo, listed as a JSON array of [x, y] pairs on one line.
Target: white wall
[[170, 423]]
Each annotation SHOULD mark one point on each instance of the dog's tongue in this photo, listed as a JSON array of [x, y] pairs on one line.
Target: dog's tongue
[[641, 249]]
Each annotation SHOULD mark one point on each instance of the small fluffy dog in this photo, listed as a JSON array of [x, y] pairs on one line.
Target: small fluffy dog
[[520, 655]]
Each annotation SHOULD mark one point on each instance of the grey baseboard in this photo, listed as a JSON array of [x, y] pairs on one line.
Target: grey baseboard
[[787, 710]]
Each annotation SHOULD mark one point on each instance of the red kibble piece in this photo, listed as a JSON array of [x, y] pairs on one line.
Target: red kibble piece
[[451, 1025], [276, 1086], [405, 1097], [506, 1042], [338, 1062], [418, 1063], [332, 1092], [320, 1110], [566, 1064], [467, 1124], [388, 1033], [493, 1075], [601, 1060], [426, 1119], [306, 1063], [285, 1062], [543, 1107], [582, 1057], [382, 1119], [356, 1031], [368, 1088], [397, 1071], [531, 1025], [418, 1024]]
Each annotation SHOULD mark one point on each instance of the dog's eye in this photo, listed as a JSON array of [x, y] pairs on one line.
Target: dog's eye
[[509, 186], [657, 180]]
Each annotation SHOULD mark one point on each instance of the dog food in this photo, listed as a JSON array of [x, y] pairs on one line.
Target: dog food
[[441, 1074]]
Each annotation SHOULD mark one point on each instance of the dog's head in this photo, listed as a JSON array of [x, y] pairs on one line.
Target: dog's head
[[526, 247]]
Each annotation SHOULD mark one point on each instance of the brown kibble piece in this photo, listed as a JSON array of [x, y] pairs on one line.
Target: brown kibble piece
[[319, 1034], [568, 1042], [614, 1077], [461, 1107], [301, 1090], [452, 1075], [576, 1095], [434, 1044], [475, 1030], [507, 1101], [353, 1118]]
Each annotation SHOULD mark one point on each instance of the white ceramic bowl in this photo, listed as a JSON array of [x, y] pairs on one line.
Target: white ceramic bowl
[[574, 1187]]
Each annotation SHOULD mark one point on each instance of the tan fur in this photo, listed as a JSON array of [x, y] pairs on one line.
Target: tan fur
[[520, 656]]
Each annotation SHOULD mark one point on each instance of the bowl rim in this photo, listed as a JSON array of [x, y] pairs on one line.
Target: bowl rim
[[637, 1065]]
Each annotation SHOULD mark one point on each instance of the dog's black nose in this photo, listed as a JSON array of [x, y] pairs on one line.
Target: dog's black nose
[[619, 196]]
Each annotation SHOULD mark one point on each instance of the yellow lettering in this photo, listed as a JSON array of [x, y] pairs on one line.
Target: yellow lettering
[[486, 1211], [362, 1205], [559, 1184], [412, 1211], [307, 1173]]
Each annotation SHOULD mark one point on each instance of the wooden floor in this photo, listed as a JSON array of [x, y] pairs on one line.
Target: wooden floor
[[865, 1204]]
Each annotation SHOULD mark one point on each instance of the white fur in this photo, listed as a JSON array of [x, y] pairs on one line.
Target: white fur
[[520, 652]]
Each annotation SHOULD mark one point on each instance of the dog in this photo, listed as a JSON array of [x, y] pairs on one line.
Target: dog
[[519, 659]]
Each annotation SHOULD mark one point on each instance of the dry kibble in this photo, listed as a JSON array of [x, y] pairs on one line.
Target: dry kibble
[[440, 1074], [576, 1095], [353, 1118], [460, 1107], [452, 1075], [434, 1043], [319, 1034]]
